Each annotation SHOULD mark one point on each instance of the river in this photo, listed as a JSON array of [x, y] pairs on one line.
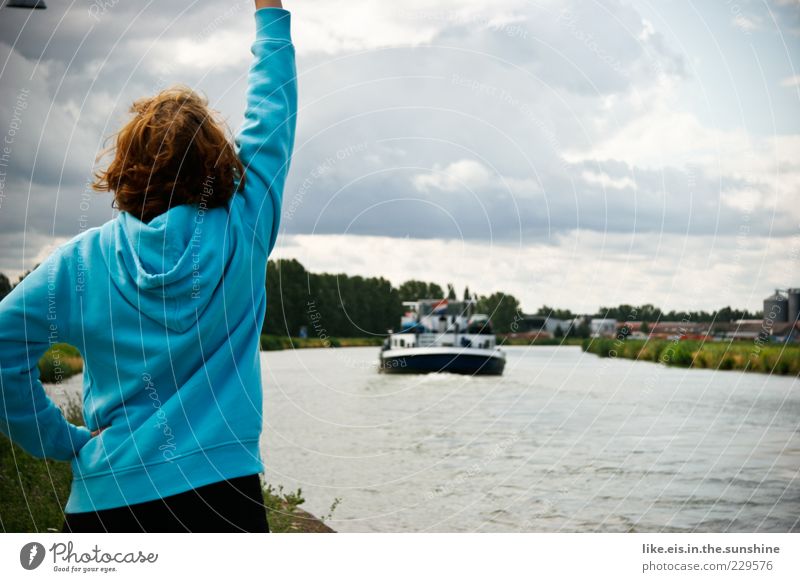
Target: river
[[563, 441]]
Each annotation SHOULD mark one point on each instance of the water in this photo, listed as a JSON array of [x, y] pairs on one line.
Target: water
[[563, 441]]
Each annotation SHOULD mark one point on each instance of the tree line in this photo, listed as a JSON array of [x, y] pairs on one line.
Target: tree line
[[339, 305], [649, 313]]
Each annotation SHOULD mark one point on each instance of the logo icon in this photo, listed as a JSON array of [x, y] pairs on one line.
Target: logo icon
[[31, 555]]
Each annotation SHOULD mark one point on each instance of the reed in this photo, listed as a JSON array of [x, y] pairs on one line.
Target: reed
[[777, 359]]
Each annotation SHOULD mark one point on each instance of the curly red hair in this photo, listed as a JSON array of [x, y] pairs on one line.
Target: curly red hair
[[169, 154]]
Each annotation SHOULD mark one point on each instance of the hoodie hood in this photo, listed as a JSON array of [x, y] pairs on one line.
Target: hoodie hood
[[162, 267]]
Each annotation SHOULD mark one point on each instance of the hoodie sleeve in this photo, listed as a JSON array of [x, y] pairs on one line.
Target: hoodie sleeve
[[266, 139], [34, 315]]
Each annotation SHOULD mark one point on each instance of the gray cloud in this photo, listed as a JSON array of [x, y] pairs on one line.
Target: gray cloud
[[514, 96]]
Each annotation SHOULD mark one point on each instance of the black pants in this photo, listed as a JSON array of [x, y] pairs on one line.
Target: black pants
[[234, 505]]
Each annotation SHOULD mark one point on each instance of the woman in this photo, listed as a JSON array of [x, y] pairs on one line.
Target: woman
[[166, 303]]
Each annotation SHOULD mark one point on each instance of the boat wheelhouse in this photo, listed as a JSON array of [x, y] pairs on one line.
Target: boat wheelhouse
[[441, 335]]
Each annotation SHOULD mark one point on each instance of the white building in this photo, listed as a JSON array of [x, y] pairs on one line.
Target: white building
[[603, 327]]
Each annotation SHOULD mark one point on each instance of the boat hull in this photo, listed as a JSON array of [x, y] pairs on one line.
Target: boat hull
[[454, 361]]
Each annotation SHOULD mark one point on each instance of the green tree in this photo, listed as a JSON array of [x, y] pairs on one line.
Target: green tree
[[413, 290], [583, 330], [354, 306], [5, 286], [502, 309], [548, 311], [287, 296]]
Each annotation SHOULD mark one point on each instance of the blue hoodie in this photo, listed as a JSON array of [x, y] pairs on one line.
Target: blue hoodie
[[167, 316]]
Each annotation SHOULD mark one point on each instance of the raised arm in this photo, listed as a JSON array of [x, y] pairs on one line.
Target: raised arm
[[34, 315], [266, 139]]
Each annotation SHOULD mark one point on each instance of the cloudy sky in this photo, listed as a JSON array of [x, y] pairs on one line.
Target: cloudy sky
[[572, 153]]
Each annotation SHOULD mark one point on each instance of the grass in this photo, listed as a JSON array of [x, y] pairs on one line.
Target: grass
[[543, 341], [276, 342], [62, 360], [728, 355], [59, 363], [34, 491], [286, 516]]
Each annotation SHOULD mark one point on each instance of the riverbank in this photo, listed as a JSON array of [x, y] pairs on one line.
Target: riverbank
[[741, 355], [34, 492], [275, 342], [62, 361], [59, 363], [538, 341]]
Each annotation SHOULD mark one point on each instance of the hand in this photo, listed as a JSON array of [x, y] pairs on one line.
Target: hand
[[268, 4], [98, 431]]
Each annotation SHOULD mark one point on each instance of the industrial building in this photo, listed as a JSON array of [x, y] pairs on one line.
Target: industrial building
[[780, 323], [780, 308]]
